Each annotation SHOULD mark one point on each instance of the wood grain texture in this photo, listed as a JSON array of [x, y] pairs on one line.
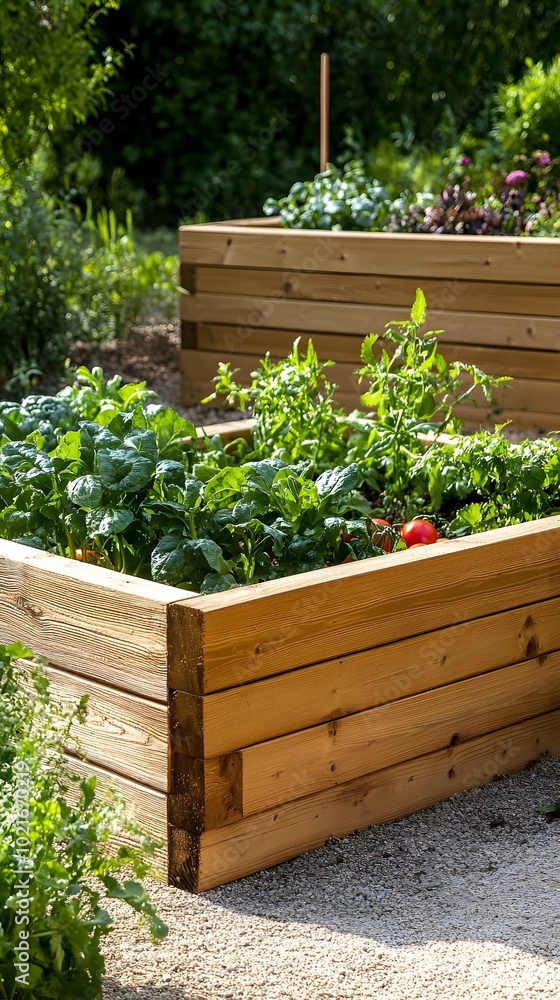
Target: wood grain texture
[[301, 763], [218, 856], [145, 805], [122, 732], [206, 794], [510, 361], [378, 290], [224, 640], [485, 329], [473, 258], [521, 394], [87, 620], [239, 717]]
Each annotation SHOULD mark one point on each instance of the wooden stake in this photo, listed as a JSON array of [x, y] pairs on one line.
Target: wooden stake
[[325, 98]]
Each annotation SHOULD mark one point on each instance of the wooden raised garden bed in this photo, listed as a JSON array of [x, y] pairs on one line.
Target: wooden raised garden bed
[[248, 727], [255, 287]]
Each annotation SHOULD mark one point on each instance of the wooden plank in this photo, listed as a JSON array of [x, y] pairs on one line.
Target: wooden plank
[[223, 640], [206, 794], [302, 763], [87, 620], [486, 329], [542, 422], [476, 417], [218, 856], [147, 806], [257, 341], [520, 394], [124, 733], [476, 258], [380, 290], [229, 720]]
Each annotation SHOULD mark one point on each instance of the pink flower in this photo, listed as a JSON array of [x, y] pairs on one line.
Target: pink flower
[[465, 160], [543, 160], [516, 177]]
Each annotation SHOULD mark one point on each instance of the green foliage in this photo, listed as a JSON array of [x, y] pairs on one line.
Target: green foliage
[[335, 199], [222, 150], [292, 403], [259, 521], [62, 277], [528, 111], [121, 284], [350, 199], [54, 864], [101, 473], [413, 391], [503, 483], [40, 269], [51, 70]]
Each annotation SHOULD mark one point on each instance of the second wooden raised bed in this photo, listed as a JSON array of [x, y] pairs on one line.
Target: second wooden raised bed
[[248, 727], [254, 287]]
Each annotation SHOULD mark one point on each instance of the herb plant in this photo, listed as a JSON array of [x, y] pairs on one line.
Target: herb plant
[[292, 403], [413, 391], [54, 864]]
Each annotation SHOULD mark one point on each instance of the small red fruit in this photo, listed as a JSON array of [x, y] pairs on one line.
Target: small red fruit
[[347, 560], [87, 555], [381, 538], [347, 538], [418, 532]]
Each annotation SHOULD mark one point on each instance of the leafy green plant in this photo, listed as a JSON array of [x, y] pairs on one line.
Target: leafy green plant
[[121, 283], [259, 521], [413, 391], [40, 268], [293, 406], [335, 199], [527, 113], [62, 277], [504, 483], [53, 72], [54, 863]]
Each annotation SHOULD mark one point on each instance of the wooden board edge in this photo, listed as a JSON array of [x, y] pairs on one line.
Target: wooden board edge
[[199, 863]]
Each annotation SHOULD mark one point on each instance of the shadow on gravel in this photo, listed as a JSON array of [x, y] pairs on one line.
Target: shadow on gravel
[[112, 990], [481, 867]]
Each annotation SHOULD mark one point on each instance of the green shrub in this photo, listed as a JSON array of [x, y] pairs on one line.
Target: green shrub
[[41, 250], [63, 278], [122, 284], [528, 111], [223, 149], [54, 864]]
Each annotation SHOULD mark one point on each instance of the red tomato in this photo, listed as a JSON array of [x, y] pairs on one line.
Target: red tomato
[[418, 545], [418, 532], [347, 538], [379, 537], [347, 560]]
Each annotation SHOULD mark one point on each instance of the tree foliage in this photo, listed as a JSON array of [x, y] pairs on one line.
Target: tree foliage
[[51, 71], [235, 117]]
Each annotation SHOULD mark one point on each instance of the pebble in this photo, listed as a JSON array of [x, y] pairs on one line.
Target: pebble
[[444, 903]]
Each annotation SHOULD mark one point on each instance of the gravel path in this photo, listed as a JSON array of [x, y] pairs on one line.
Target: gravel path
[[460, 901]]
